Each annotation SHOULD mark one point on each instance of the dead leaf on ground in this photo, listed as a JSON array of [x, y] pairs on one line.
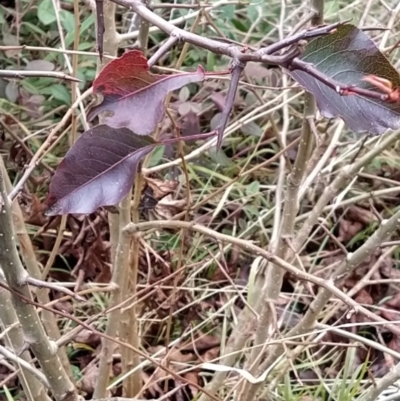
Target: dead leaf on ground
[[364, 298], [152, 387], [161, 188], [394, 343], [361, 215], [64, 306], [174, 355], [348, 229], [387, 270], [394, 302], [169, 207], [210, 355], [89, 379], [88, 337], [202, 343], [193, 377], [33, 210], [390, 310]]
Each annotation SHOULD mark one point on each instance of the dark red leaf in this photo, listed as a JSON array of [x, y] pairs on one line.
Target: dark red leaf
[[134, 95], [98, 170], [350, 57]]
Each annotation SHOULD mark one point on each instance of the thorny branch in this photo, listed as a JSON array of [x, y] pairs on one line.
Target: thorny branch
[[264, 55], [237, 70], [293, 47]]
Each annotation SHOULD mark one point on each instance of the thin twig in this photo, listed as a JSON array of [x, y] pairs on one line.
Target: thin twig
[[217, 47], [21, 74], [24, 364], [171, 41], [45, 284], [328, 285], [39, 153]]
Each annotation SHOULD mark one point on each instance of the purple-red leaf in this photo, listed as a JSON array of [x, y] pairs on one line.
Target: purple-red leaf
[[134, 96], [348, 56], [98, 170]]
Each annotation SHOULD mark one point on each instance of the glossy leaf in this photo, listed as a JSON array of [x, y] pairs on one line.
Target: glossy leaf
[[98, 170], [347, 56], [134, 95]]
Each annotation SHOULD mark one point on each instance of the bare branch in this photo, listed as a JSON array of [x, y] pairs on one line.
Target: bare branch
[[328, 285], [307, 34], [100, 27], [237, 70], [21, 74], [24, 364], [381, 384], [218, 47], [13, 338], [119, 399], [44, 284], [171, 41]]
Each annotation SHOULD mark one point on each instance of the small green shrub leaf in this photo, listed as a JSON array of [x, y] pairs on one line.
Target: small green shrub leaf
[[45, 12]]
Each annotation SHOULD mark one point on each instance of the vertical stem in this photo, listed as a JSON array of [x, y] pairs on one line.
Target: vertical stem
[[74, 86], [129, 330], [318, 7], [14, 340], [33, 330], [144, 26], [118, 279], [274, 278], [110, 48], [30, 261], [119, 251]]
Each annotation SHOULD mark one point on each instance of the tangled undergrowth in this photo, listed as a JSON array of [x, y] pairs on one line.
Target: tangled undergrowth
[[191, 288]]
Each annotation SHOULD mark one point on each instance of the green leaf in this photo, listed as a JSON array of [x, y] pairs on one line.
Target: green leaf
[[228, 12], [12, 91], [253, 188], [59, 92], [32, 28], [85, 46], [2, 19], [331, 8], [156, 156], [254, 10], [87, 23], [252, 129], [210, 61], [45, 12], [219, 157], [67, 21], [240, 25], [347, 56]]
